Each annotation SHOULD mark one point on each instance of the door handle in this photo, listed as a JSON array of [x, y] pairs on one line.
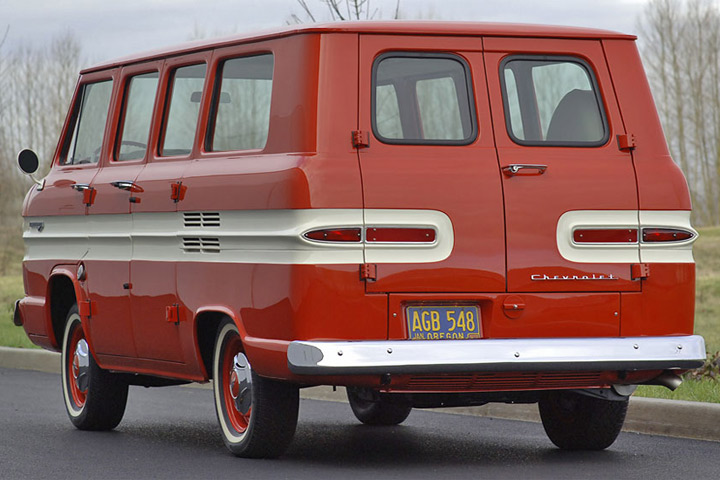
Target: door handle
[[87, 191], [514, 169], [128, 185]]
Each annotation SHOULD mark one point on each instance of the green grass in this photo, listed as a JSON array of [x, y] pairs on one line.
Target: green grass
[[707, 290], [11, 289], [691, 390]]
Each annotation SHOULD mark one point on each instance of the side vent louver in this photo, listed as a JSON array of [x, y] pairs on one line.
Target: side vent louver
[[201, 219], [201, 245]]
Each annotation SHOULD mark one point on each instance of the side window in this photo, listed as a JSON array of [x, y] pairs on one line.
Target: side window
[[422, 98], [183, 108], [90, 118], [135, 129], [552, 101], [242, 104]]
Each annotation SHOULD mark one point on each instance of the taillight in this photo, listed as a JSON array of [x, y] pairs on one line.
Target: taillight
[[605, 235], [652, 235], [400, 235], [335, 235]]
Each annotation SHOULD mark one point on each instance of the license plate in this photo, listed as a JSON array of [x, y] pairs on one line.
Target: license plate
[[456, 322]]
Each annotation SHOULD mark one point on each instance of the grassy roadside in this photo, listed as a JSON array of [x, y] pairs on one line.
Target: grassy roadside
[[707, 317], [11, 289], [690, 390]]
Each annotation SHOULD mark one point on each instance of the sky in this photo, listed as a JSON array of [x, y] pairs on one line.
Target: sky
[[109, 29]]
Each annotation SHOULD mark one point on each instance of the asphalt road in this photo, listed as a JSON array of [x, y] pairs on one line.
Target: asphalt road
[[172, 433]]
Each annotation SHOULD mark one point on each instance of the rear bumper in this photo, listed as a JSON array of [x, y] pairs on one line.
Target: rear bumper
[[505, 355]]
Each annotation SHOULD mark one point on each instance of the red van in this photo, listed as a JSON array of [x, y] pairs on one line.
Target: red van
[[429, 214]]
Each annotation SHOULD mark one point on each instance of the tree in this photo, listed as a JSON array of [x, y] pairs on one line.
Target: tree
[[36, 86], [341, 10], [681, 51]]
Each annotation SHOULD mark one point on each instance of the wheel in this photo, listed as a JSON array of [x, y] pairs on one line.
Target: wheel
[[574, 421], [94, 398], [257, 416], [375, 411]]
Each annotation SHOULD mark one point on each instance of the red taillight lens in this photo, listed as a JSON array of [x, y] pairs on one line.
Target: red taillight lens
[[400, 235], [651, 235], [605, 235], [335, 235]]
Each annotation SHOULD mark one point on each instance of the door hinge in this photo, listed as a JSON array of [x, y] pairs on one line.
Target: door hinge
[[89, 195], [172, 313], [639, 271], [177, 191], [626, 142], [86, 309], [360, 139], [368, 271]]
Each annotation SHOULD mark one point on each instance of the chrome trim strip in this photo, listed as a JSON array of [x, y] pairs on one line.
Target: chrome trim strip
[[505, 355]]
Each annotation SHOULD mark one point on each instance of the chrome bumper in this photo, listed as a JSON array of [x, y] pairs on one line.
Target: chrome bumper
[[511, 355]]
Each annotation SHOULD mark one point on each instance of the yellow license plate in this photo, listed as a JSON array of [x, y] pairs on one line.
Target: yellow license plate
[[455, 322]]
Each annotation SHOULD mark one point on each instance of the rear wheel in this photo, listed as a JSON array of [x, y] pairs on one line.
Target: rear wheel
[[257, 416], [574, 421], [95, 399], [371, 410]]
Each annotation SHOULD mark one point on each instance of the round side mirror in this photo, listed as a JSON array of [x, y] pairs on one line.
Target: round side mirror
[[28, 161]]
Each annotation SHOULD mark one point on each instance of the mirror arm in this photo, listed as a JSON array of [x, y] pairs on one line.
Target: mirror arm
[[40, 183]]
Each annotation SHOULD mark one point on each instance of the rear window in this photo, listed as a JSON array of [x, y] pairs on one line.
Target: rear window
[[552, 101], [422, 98]]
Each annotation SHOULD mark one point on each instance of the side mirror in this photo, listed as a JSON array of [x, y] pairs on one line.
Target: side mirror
[[29, 163]]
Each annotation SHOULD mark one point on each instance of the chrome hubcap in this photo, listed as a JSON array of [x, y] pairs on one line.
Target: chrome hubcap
[[241, 384], [81, 365]]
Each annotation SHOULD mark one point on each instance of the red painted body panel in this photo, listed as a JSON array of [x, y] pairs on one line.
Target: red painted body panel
[[461, 181], [504, 227], [661, 184], [594, 178], [541, 315], [666, 305]]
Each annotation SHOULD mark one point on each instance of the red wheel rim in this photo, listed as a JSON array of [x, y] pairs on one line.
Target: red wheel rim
[[238, 421], [78, 396]]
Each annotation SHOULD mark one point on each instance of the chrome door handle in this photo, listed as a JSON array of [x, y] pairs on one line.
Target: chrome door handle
[[127, 185], [514, 169], [80, 187]]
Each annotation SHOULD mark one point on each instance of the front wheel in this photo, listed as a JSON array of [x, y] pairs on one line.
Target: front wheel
[[374, 411], [574, 421], [95, 399], [257, 416]]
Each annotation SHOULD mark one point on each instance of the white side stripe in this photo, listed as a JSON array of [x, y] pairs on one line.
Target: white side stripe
[[593, 253], [259, 236], [675, 252], [666, 252]]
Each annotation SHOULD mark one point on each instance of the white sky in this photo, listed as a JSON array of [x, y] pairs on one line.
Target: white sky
[[113, 28]]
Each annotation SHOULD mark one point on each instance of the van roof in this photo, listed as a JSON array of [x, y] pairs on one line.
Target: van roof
[[375, 27]]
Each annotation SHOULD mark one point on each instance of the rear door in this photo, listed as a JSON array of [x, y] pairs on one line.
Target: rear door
[[570, 191], [431, 185]]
